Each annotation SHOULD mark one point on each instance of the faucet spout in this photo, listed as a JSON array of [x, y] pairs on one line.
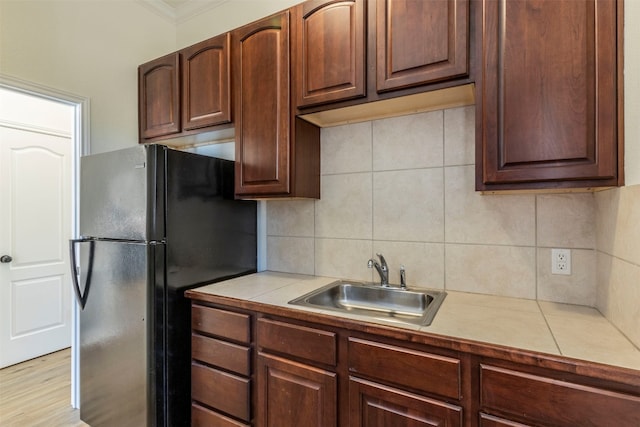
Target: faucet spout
[[381, 268]]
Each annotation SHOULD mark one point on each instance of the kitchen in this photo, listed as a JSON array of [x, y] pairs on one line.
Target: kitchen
[[308, 237]]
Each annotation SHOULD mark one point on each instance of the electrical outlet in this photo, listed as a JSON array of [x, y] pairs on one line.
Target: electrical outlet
[[561, 261]]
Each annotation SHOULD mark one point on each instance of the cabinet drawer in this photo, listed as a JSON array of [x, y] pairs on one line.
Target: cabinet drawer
[[556, 402], [225, 355], [220, 390], [297, 341], [376, 404], [226, 324], [409, 368], [491, 421], [203, 417]]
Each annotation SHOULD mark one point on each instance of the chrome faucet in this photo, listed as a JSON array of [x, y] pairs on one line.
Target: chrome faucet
[[383, 269]]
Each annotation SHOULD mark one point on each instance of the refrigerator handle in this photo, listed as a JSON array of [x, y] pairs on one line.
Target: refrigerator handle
[[81, 297]]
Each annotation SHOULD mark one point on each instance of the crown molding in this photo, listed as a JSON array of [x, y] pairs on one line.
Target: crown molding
[[182, 12]]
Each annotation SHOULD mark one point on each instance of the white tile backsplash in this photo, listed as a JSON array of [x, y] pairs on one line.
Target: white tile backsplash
[[345, 208], [475, 218], [408, 205], [408, 142], [404, 187], [346, 149]]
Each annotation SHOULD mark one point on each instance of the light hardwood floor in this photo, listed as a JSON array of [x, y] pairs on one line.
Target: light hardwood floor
[[37, 393]]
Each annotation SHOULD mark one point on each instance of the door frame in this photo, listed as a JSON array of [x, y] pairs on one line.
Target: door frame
[[81, 147]]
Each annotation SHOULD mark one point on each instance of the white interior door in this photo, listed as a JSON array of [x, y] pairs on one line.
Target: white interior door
[[35, 226]]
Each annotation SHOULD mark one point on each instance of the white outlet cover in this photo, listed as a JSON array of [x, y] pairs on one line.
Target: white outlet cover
[[561, 261]]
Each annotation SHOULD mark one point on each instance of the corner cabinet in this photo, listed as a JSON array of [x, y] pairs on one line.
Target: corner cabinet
[[277, 154], [549, 93], [186, 92]]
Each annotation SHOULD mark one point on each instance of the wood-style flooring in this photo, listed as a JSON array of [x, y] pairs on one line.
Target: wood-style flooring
[[37, 393]]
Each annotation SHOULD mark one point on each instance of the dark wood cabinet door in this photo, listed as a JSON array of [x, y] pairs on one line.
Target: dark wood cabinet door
[[376, 405], [329, 55], [547, 94], [159, 97], [420, 41], [261, 63], [205, 83], [293, 394]]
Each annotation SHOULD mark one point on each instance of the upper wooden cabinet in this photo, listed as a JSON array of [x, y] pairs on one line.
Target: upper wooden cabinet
[[185, 92], [206, 98], [159, 97], [547, 106], [420, 42], [329, 38], [361, 51], [277, 154]]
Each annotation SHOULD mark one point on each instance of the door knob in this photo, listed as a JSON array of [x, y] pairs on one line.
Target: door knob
[[5, 258]]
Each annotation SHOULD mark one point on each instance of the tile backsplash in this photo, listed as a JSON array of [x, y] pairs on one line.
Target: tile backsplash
[[618, 258], [404, 187]]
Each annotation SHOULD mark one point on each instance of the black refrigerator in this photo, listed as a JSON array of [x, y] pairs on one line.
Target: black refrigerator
[[154, 222]]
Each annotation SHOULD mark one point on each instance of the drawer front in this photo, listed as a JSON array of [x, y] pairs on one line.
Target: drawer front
[[225, 355], [556, 402], [408, 368], [222, 323], [225, 392], [491, 421], [374, 404], [297, 341], [203, 417]]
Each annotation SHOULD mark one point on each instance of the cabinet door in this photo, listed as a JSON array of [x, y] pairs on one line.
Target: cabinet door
[[205, 83], [293, 394], [159, 97], [329, 57], [420, 41], [547, 94], [261, 79], [375, 405]]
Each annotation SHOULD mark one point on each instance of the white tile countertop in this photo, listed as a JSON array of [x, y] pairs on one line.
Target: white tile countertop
[[558, 329]]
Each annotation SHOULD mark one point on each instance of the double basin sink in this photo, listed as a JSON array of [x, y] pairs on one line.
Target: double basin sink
[[412, 305]]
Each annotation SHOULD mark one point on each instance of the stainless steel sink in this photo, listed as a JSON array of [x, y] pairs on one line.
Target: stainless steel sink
[[413, 305]]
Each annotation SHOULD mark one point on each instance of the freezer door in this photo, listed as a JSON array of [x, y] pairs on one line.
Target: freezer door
[[117, 372], [114, 194]]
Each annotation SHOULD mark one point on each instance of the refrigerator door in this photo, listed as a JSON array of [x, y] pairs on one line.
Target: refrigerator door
[[210, 237], [117, 371], [115, 193]]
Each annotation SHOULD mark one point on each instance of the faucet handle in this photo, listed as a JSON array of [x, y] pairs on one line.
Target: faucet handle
[[403, 278], [383, 262]]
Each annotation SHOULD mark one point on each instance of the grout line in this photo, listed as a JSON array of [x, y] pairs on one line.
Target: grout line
[[535, 230], [444, 205], [555, 341]]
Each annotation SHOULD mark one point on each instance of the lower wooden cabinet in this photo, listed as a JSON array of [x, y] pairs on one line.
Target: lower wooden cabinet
[[265, 369], [294, 394], [221, 368], [376, 405], [542, 400]]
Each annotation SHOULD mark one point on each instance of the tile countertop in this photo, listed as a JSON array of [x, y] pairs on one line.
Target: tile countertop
[[559, 329]]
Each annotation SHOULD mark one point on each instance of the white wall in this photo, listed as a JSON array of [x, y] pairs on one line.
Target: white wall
[[89, 48]]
